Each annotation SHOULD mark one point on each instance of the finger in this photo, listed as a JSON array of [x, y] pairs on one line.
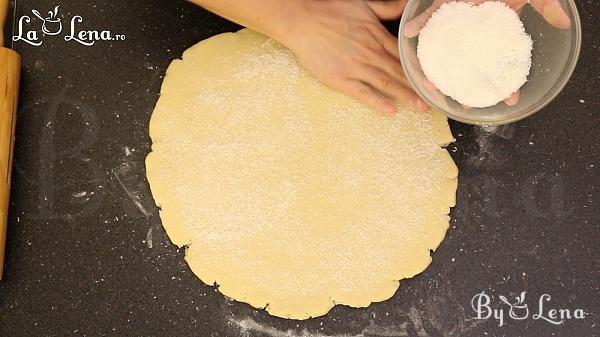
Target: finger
[[433, 90], [388, 85], [429, 85], [552, 12], [367, 95], [387, 10], [513, 99], [390, 43], [389, 58], [391, 65], [516, 5], [390, 46], [413, 27], [391, 87]]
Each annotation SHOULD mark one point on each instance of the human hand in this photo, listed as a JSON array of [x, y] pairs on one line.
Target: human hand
[[344, 45], [551, 10]]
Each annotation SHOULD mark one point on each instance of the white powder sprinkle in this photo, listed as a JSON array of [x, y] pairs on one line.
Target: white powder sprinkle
[[253, 159], [478, 55]]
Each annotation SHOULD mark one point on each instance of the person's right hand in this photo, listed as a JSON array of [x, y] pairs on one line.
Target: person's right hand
[[344, 45]]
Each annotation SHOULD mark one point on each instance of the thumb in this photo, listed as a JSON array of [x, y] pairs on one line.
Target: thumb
[[552, 12], [387, 9]]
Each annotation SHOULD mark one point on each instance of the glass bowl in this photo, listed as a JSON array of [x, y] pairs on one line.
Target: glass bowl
[[554, 56]]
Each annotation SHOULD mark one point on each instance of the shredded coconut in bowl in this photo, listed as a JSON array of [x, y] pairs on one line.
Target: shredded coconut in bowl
[[478, 55]]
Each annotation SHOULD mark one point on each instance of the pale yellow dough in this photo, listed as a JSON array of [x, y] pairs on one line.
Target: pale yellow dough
[[289, 195]]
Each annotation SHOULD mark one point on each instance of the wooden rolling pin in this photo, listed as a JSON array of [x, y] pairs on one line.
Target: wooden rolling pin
[[10, 64]]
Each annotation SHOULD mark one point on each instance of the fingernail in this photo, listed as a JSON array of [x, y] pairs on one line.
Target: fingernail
[[429, 85], [410, 30], [420, 105], [391, 110]]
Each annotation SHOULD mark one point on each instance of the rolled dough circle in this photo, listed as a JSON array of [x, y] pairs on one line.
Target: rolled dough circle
[[289, 195]]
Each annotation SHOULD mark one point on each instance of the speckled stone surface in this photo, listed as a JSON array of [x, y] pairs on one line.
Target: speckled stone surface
[[87, 255]]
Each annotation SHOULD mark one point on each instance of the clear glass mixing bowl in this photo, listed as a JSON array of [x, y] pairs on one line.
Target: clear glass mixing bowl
[[554, 56]]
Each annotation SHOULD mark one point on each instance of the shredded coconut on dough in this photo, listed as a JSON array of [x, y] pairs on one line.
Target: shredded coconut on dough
[[289, 195]]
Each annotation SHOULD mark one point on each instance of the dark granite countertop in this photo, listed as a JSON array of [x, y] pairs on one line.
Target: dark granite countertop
[[87, 255]]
